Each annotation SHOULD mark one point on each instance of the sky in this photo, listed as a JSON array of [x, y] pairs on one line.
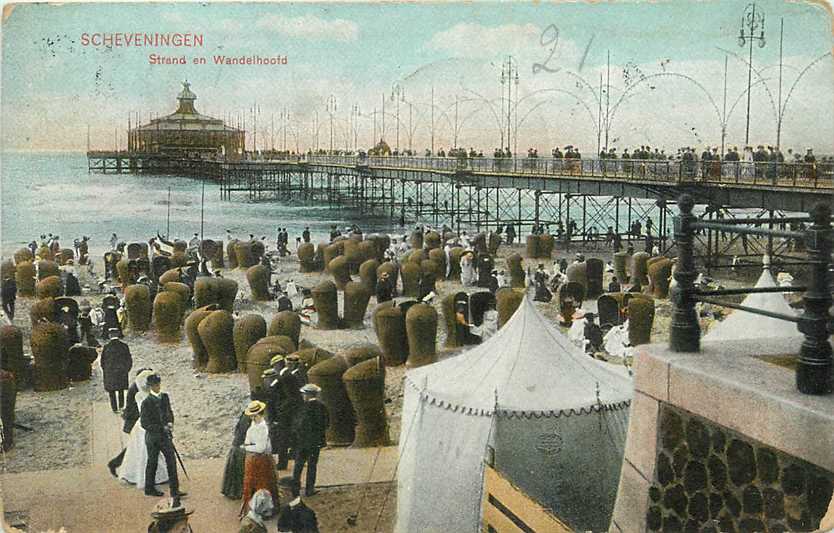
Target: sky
[[660, 66]]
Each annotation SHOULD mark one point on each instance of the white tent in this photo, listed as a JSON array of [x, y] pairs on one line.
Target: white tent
[[555, 418], [740, 325]]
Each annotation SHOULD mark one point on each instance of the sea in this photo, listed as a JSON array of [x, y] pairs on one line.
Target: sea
[[42, 193]]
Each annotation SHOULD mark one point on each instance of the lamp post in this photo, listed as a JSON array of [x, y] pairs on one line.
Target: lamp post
[[432, 120], [509, 76], [331, 109], [285, 119], [398, 95], [753, 22], [316, 129], [355, 113], [410, 129]]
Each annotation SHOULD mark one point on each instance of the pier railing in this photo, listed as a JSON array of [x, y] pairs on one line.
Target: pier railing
[[789, 175], [771, 174], [815, 362]]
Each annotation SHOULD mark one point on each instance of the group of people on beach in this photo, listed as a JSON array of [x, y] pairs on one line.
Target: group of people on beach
[[286, 416]]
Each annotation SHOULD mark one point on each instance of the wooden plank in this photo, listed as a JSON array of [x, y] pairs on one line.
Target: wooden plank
[[498, 521], [528, 510]]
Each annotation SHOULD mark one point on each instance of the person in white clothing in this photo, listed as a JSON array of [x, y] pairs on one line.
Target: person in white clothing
[[132, 469], [467, 269], [259, 468]]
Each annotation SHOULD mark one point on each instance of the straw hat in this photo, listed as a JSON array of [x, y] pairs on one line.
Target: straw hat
[[276, 359], [254, 408]]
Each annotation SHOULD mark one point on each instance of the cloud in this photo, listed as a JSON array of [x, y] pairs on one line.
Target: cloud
[[311, 27], [173, 17], [475, 40], [527, 42], [231, 25]]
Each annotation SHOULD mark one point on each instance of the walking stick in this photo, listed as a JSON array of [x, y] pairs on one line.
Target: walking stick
[[179, 458]]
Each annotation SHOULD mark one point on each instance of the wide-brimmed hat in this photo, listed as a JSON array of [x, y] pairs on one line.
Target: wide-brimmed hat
[[254, 408], [277, 359], [310, 388], [164, 512]]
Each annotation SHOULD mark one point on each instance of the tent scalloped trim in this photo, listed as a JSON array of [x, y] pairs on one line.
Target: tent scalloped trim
[[425, 397]]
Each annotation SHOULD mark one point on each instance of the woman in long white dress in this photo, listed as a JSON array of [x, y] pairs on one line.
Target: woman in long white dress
[[747, 166], [467, 269], [132, 469]]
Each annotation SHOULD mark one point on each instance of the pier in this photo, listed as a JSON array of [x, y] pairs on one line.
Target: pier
[[485, 193]]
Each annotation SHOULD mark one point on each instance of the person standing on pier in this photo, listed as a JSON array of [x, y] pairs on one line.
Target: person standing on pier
[[305, 235]]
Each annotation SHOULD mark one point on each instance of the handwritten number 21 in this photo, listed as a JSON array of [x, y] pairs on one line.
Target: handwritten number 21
[[549, 40]]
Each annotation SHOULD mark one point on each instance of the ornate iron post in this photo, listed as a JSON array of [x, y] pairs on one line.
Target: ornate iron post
[[814, 372], [685, 333]]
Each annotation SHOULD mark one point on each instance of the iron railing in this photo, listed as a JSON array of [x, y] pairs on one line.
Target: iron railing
[[660, 171], [814, 368], [772, 174]]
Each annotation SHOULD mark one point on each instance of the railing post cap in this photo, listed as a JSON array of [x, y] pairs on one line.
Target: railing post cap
[[821, 213], [685, 204]]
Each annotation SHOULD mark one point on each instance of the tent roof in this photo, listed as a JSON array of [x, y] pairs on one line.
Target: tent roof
[[532, 368], [740, 325]]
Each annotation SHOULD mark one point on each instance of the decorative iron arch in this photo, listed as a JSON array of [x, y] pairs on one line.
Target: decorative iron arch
[[664, 75], [759, 76], [796, 81]]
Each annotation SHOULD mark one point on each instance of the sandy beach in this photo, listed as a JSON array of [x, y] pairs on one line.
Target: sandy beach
[[208, 405]]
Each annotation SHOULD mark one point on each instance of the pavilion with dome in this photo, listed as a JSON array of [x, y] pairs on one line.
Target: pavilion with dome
[[187, 133]]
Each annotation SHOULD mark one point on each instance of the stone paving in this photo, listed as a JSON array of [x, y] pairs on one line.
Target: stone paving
[[90, 500]]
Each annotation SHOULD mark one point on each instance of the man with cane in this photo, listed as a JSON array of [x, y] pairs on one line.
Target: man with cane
[[157, 420]]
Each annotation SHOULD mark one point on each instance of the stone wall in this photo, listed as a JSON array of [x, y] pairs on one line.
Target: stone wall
[[722, 441], [710, 479]]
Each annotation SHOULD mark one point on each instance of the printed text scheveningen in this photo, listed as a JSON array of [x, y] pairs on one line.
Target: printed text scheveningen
[[138, 39]]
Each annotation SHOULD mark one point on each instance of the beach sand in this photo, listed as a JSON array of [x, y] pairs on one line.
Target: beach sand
[[207, 406]]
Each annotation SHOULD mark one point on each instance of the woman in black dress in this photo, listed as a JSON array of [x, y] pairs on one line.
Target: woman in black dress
[[232, 486]]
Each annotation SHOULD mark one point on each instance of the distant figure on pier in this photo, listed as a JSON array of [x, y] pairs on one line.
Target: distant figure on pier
[[305, 235]]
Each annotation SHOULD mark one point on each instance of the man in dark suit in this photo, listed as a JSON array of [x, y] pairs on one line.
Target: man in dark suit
[[130, 416], [157, 420], [116, 362], [384, 290], [288, 404], [310, 425], [9, 295]]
